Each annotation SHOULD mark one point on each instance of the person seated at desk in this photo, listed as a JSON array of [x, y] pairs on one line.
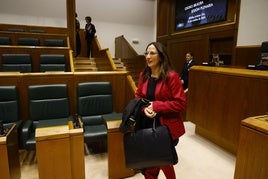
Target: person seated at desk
[[189, 62]]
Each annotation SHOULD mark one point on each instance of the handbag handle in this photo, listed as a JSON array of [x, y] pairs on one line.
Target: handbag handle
[[154, 124]]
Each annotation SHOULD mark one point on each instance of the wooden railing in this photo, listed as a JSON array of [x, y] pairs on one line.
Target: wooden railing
[[134, 66], [133, 62], [121, 89], [35, 53], [123, 49], [31, 28], [98, 52], [14, 37]]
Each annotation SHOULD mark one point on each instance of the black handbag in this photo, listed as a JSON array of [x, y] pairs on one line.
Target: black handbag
[[149, 147]]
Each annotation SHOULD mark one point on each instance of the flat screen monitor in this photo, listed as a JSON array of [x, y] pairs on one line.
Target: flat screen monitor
[[196, 12]]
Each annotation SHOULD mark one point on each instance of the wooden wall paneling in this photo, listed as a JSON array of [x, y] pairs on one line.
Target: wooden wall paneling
[[223, 47], [71, 24], [221, 31], [233, 10], [178, 48], [258, 90], [163, 17], [223, 43], [246, 55], [171, 12]]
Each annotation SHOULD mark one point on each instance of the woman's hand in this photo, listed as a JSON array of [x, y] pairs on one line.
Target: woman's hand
[[149, 112]]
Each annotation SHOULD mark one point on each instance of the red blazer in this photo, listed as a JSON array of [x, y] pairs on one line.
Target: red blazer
[[169, 102]]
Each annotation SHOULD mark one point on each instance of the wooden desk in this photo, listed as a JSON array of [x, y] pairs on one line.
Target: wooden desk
[[60, 152], [116, 158], [252, 154], [77, 152], [9, 155], [219, 98]]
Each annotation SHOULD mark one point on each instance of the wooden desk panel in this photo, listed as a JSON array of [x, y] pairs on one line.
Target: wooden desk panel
[[60, 152], [116, 158], [53, 152], [219, 98], [252, 155], [9, 155], [77, 153]]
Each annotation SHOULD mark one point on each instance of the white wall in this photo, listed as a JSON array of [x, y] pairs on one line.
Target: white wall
[[106, 33], [133, 19], [253, 26]]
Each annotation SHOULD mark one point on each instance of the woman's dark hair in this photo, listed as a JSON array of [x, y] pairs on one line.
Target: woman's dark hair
[[165, 64]]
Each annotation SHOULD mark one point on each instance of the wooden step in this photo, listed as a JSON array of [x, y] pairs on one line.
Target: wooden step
[[117, 60], [85, 64], [121, 68], [85, 68]]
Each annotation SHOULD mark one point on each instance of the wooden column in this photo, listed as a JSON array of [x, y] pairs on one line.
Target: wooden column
[[70, 13], [77, 152]]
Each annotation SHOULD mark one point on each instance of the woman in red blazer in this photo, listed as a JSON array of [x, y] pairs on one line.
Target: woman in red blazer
[[162, 86]]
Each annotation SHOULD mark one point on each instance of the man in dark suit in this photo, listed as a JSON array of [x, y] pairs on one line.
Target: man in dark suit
[[78, 40], [189, 62]]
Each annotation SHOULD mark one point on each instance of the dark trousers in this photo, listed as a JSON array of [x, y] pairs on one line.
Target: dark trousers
[[89, 42], [78, 44]]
